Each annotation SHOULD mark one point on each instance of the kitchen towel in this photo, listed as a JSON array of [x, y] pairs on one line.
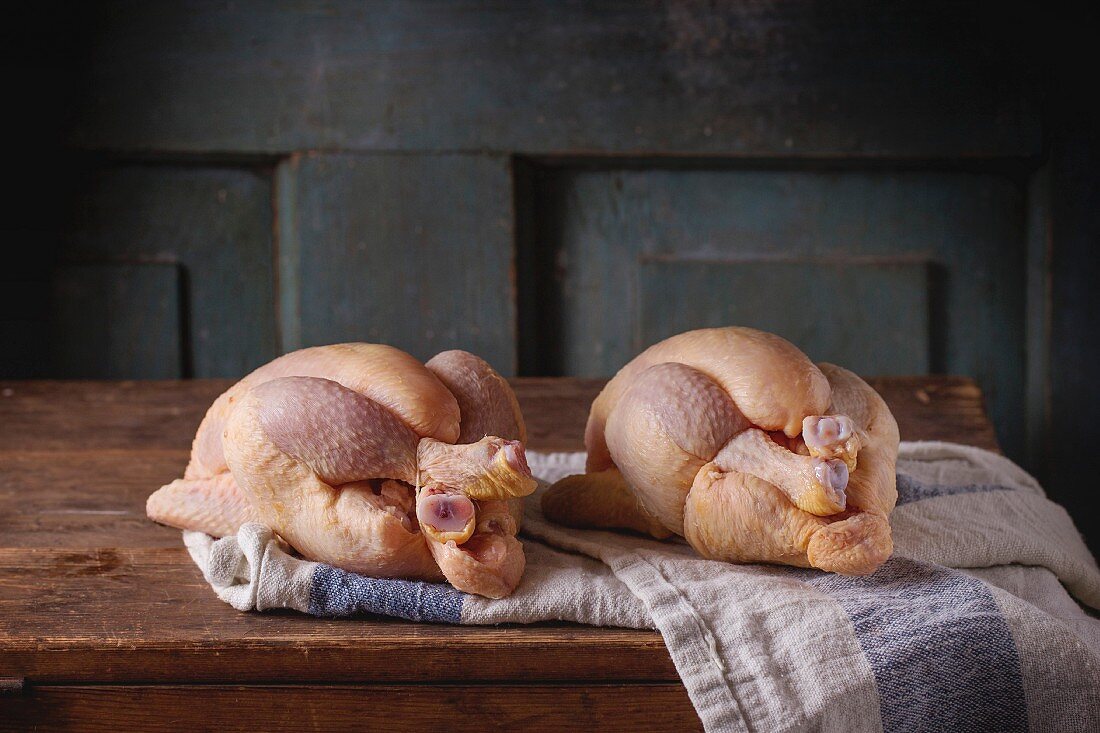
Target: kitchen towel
[[983, 619]]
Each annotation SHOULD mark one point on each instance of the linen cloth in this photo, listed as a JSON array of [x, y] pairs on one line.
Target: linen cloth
[[983, 619]]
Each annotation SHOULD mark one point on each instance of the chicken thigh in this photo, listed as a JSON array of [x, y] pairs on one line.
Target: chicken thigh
[[735, 440], [360, 456]]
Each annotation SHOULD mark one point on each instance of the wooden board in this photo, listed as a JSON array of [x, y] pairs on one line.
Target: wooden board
[[116, 321], [93, 417], [106, 614], [87, 418], [104, 619], [411, 250], [910, 79], [621, 708], [215, 225]]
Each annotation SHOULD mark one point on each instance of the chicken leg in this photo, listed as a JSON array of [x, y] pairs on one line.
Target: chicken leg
[[736, 517], [492, 559]]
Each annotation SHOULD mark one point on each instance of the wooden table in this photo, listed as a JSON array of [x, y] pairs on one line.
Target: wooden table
[[105, 622]]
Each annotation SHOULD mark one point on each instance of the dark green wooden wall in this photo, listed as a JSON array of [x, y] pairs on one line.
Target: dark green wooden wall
[[557, 184], [888, 272]]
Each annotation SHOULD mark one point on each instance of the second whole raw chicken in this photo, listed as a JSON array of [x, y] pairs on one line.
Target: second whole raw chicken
[[733, 439]]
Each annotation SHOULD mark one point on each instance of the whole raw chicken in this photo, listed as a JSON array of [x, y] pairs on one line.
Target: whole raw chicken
[[735, 440], [359, 456]]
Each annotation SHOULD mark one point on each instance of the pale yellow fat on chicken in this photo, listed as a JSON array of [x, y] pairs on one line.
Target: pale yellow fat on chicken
[[734, 439], [329, 446]]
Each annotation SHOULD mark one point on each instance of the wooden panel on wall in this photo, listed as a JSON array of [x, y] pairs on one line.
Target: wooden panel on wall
[[910, 79], [411, 250], [117, 321], [216, 223], [832, 311], [597, 226]]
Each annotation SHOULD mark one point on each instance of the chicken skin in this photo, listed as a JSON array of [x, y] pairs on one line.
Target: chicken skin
[[733, 439], [361, 457]]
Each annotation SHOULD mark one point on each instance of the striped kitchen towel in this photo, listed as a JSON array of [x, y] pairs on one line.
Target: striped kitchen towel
[[983, 620]]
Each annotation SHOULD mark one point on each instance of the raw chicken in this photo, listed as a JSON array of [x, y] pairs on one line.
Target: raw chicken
[[360, 456], [735, 440]]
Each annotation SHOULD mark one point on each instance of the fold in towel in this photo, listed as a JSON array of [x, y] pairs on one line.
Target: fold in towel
[[969, 626]]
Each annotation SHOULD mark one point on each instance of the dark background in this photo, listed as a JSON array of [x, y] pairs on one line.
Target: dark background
[[903, 188]]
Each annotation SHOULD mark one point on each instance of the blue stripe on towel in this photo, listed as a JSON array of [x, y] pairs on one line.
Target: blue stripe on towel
[[911, 489], [942, 654], [339, 593]]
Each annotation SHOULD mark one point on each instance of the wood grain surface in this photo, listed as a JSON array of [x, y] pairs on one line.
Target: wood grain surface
[[394, 709], [93, 593]]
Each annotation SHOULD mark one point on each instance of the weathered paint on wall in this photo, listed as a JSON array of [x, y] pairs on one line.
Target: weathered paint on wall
[[118, 321], [833, 308], [928, 79], [410, 250], [215, 224], [642, 254]]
